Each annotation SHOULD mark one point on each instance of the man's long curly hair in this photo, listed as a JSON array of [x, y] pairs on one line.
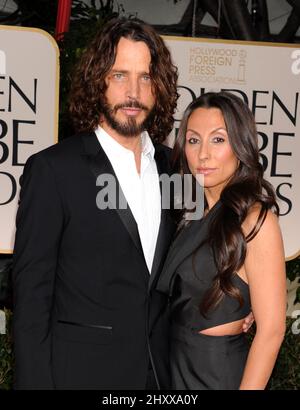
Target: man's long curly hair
[[87, 95]]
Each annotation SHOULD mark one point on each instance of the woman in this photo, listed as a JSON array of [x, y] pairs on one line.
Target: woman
[[228, 263]]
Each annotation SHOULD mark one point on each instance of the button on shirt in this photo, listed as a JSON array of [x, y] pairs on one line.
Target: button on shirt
[[141, 191]]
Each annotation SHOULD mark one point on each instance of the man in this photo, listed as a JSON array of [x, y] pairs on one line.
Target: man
[[84, 276]]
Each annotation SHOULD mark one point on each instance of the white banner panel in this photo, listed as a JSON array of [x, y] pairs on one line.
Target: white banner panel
[[267, 77], [29, 89]]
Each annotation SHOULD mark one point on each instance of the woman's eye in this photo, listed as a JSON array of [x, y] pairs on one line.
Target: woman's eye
[[218, 140], [193, 140]]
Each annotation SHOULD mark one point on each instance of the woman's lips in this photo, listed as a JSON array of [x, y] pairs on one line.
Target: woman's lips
[[205, 171]]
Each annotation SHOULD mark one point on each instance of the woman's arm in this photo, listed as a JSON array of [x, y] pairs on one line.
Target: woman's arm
[[265, 270]]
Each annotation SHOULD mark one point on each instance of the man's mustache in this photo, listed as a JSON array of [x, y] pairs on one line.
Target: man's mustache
[[130, 104]]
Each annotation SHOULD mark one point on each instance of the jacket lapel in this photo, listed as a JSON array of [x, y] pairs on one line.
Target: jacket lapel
[[184, 244], [98, 163], [167, 226]]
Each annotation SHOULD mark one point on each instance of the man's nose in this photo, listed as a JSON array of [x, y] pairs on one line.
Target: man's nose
[[133, 88]]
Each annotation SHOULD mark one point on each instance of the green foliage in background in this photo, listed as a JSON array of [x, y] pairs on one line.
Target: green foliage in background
[[286, 374], [293, 273], [6, 355]]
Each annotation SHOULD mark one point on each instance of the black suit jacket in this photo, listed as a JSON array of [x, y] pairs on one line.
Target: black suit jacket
[[86, 315]]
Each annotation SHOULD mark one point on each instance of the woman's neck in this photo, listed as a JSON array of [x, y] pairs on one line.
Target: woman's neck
[[211, 198]]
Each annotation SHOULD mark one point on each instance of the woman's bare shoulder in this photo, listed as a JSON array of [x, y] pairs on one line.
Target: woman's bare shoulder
[[270, 221]]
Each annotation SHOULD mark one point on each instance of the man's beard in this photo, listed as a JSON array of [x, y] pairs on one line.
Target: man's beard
[[129, 128]]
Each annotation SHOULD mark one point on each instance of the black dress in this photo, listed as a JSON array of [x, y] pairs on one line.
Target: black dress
[[199, 361]]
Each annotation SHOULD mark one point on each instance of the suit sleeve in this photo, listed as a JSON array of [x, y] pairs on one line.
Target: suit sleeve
[[38, 231]]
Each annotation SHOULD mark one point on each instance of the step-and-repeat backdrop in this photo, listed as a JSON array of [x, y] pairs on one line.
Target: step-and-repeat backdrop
[[29, 89]]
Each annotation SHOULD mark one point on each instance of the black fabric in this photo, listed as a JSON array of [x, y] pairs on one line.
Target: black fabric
[[188, 273], [202, 362], [85, 315], [151, 381]]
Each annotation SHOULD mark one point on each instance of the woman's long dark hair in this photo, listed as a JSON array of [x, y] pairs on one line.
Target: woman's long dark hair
[[87, 96], [246, 188]]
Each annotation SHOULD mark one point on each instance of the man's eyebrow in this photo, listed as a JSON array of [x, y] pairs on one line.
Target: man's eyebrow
[[126, 71], [119, 71]]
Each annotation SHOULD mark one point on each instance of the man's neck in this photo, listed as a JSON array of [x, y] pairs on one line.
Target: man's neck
[[133, 143]]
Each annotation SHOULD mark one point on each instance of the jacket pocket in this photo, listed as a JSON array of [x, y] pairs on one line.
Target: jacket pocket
[[83, 333]]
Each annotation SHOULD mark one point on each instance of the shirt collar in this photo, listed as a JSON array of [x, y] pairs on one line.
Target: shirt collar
[[110, 143], [147, 145]]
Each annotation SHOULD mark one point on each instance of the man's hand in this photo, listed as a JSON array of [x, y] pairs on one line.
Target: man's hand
[[248, 322]]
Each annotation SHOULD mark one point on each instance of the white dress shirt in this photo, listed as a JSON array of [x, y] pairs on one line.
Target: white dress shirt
[[141, 191]]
